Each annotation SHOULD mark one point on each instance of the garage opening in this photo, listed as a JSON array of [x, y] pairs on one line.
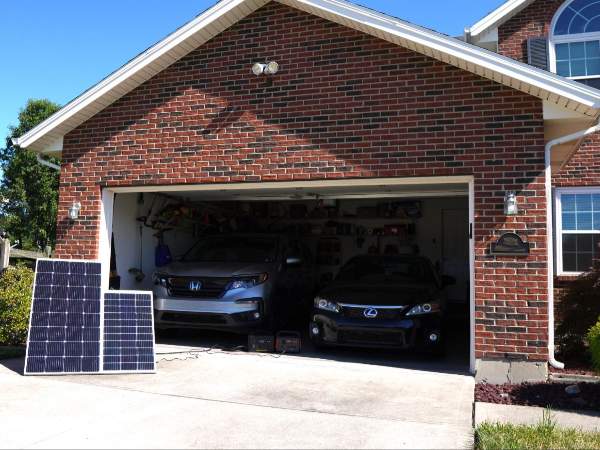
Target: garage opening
[[372, 271]]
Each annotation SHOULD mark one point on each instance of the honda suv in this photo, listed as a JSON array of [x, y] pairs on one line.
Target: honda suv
[[235, 282]]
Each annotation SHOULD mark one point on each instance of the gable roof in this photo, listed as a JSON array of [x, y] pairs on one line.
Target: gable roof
[[497, 17], [47, 136]]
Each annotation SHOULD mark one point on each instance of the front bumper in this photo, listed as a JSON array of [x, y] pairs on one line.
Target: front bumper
[[244, 312], [407, 333]]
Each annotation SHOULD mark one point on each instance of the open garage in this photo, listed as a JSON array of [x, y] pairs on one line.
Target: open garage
[[190, 244], [256, 111]]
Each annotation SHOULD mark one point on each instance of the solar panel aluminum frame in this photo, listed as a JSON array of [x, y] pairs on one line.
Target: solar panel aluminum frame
[[101, 339], [25, 372], [125, 372]]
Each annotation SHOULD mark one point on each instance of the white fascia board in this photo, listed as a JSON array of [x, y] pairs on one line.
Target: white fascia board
[[498, 16], [468, 53], [128, 70]]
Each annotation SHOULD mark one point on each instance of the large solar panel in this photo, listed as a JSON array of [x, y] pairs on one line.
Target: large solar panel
[[128, 332], [64, 328]]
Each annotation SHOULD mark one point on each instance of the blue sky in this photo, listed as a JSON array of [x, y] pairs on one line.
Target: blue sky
[[56, 49]]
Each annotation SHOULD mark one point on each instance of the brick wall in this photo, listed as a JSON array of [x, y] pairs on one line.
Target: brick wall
[[345, 105], [533, 21], [583, 168]]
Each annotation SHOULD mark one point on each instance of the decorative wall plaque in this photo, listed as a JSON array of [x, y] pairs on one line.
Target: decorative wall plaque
[[510, 244]]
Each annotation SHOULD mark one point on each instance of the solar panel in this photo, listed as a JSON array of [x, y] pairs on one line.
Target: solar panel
[[64, 327], [128, 332]]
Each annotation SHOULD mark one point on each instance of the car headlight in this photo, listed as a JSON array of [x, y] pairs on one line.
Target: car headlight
[[247, 282], [326, 305], [160, 279], [423, 309]]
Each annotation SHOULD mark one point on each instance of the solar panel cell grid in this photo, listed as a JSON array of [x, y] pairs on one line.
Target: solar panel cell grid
[[128, 332], [64, 335]]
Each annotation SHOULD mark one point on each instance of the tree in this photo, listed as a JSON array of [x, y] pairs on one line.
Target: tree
[[28, 190]]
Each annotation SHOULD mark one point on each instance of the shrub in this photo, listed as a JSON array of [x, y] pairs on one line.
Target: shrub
[[593, 338], [578, 311], [16, 285]]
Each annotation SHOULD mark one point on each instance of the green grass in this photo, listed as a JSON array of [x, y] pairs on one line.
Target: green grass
[[11, 352], [541, 436]]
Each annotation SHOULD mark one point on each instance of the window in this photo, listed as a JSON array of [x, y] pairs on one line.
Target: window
[[575, 40], [578, 229], [578, 59]]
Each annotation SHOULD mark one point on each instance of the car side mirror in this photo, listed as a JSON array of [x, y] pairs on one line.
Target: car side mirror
[[293, 261], [448, 281]]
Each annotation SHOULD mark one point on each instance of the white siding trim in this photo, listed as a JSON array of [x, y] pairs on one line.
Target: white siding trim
[[498, 17]]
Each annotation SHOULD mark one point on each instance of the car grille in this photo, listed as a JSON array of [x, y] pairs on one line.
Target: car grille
[[358, 312], [369, 337], [211, 319], [210, 287]]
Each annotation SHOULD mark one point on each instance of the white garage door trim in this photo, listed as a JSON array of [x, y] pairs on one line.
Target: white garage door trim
[[353, 185]]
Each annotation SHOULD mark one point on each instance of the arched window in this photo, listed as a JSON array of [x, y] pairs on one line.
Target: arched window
[[575, 41]]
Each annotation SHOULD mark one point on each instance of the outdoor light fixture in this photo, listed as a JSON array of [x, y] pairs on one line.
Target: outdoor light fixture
[[74, 211], [269, 68], [511, 207]]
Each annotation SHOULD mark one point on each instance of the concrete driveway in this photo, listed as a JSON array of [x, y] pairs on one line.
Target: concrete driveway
[[238, 400]]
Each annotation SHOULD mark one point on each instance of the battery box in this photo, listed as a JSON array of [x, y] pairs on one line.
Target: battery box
[[261, 343], [288, 342]]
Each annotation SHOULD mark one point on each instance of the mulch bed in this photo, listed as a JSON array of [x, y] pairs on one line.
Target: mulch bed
[[573, 371], [577, 364], [551, 395]]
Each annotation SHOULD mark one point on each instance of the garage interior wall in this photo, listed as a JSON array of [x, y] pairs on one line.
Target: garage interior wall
[[441, 234]]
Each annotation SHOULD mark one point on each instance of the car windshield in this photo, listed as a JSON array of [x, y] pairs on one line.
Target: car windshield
[[387, 270], [247, 249]]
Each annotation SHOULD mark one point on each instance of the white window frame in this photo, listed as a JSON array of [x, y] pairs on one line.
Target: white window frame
[[566, 39], [558, 193]]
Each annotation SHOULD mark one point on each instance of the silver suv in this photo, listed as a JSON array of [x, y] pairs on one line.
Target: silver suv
[[235, 282]]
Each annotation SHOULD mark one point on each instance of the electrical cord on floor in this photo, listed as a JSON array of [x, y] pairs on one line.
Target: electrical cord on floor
[[195, 354]]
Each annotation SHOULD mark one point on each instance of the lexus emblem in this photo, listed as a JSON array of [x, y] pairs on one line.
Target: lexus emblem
[[371, 313], [195, 286]]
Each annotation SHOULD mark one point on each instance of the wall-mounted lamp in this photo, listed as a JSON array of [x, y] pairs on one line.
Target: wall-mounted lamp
[[74, 211], [511, 206], [269, 68]]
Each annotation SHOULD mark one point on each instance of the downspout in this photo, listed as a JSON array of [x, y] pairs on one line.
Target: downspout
[[550, 233], [43, 162]]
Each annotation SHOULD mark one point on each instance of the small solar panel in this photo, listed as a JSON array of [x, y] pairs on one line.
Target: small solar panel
[[64, 327], [128, 332]]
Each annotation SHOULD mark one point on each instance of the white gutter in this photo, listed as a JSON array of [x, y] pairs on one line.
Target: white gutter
[[550, 233], [43, 162]]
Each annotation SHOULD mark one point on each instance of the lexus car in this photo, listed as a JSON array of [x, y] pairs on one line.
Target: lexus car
[[237, 282], [382, 301]]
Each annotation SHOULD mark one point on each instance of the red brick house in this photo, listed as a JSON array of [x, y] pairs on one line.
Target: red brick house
[[367, 106]]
